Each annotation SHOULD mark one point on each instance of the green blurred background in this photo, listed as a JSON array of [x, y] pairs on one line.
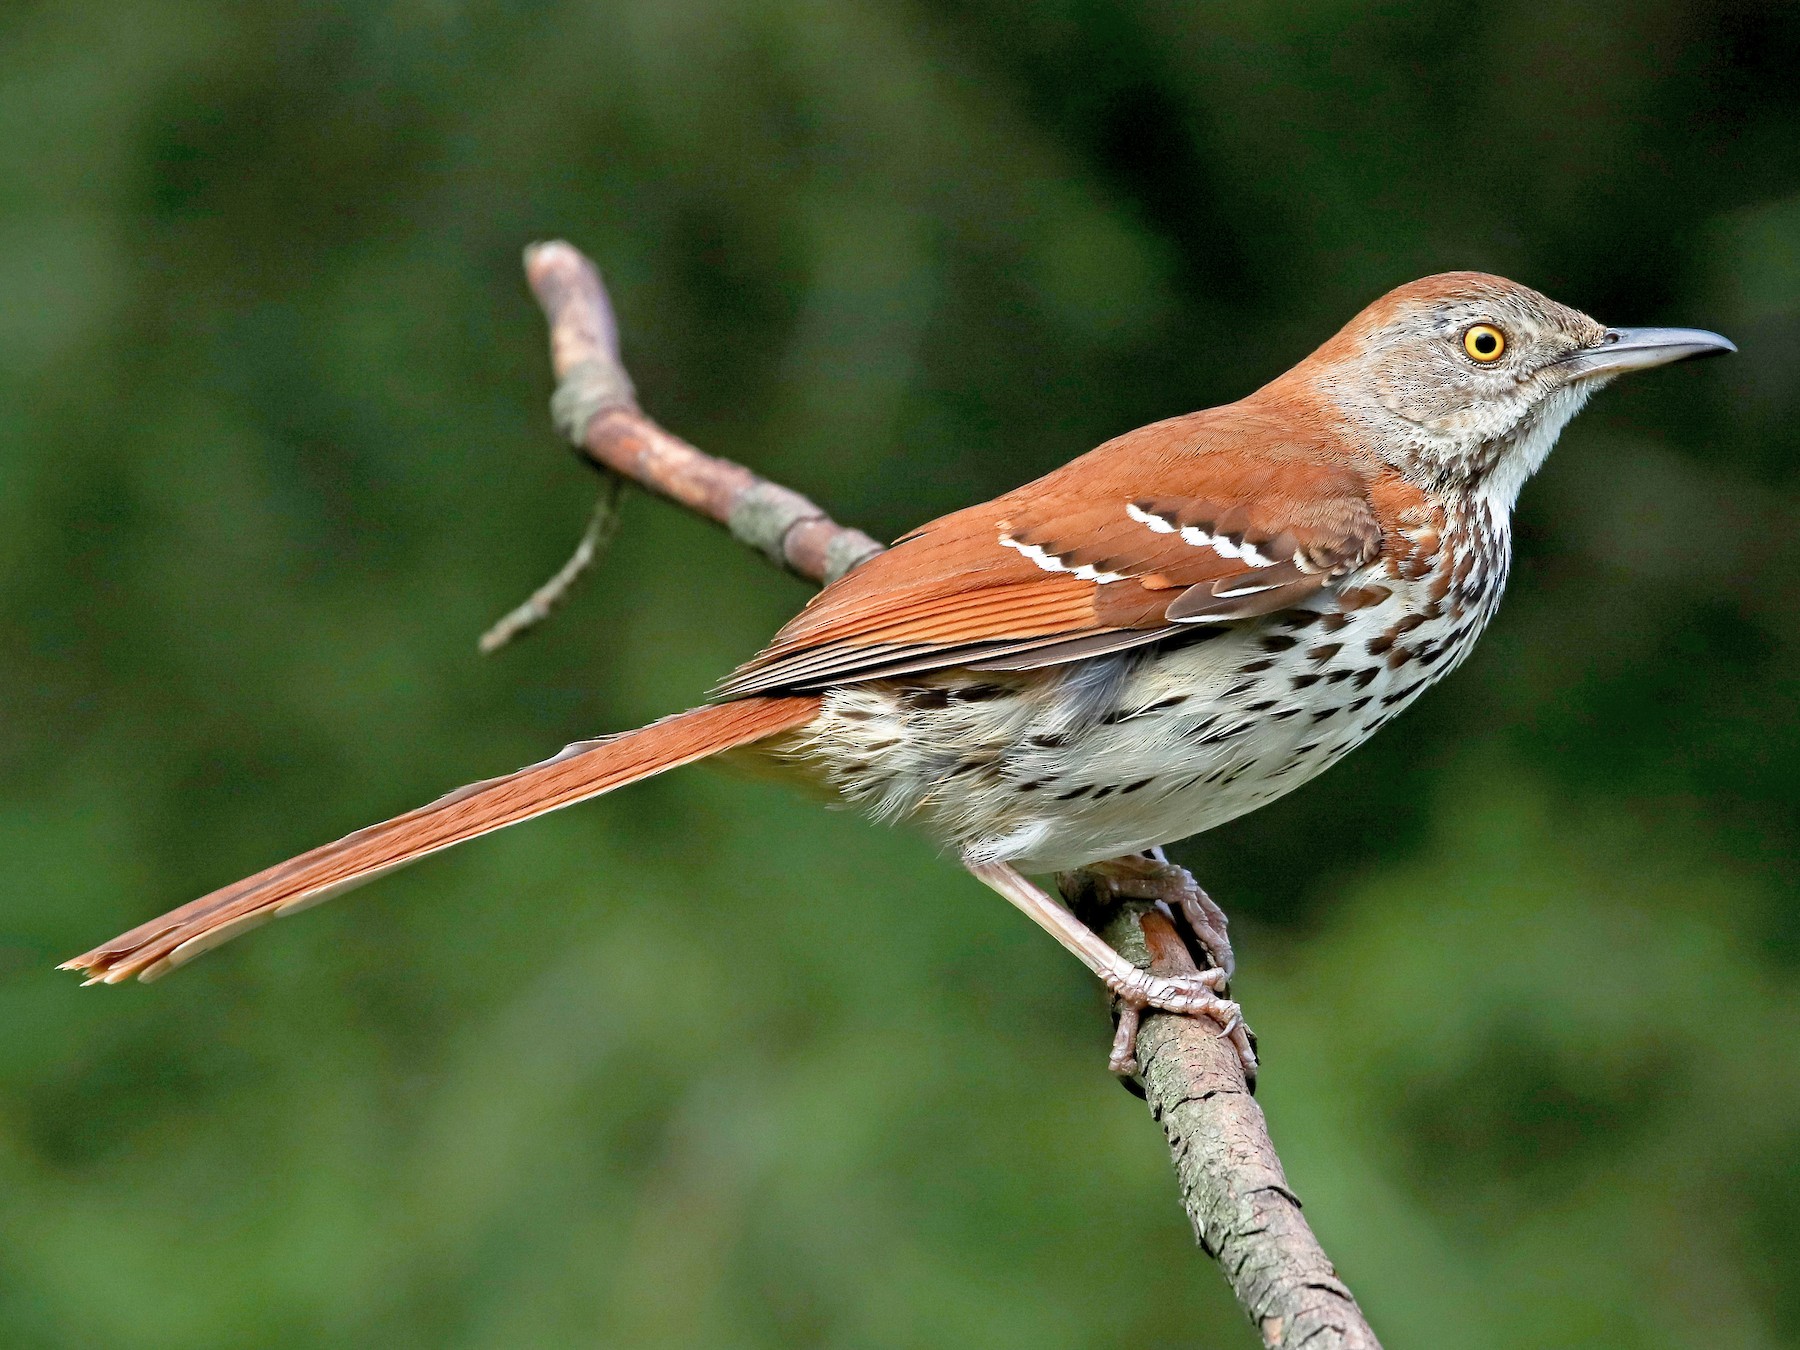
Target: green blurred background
[[274, 450]]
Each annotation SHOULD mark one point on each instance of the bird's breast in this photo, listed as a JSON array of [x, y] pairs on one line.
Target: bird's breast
[[1054, 768]]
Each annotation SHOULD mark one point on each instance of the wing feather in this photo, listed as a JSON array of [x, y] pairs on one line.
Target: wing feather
[[1179, 523]]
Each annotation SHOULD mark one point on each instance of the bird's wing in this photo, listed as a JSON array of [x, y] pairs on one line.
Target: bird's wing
[[1182, 522]]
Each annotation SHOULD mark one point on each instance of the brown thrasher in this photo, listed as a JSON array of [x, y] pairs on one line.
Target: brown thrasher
[[1162, 635]]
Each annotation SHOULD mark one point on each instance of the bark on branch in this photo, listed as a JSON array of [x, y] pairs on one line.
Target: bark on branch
[[596, 407], [1244, 1213]]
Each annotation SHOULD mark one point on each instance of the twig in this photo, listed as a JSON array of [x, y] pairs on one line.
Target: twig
[[602, 525], [1232, 1184]]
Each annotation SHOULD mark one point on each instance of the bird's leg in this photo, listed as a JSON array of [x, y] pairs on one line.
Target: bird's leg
[[1190, 995], [1151, 876]]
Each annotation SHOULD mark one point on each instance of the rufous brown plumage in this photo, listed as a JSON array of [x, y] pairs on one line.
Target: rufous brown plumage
[[1170, 630]]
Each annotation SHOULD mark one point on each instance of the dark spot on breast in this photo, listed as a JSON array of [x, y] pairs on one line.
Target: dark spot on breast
[[1338, 676], [1379, 644], [1050, 741], [1032, 786], [1133, 787], [1360, 597], [1324, 713], [928, 698], [1399, 657], [1307, 748], [1284, 714], [1400, 695], [1225, 733], [1306, 681], [1325, 653], [1365, 676], [1252, 667], [856, 714], [1361, 703], [1263, 706], [1073, 793], [1173, 701], [1105, 792], [981, 693], [1334, 621], [1278, 642], [1239, 689], [1303, 618], [888, 744]]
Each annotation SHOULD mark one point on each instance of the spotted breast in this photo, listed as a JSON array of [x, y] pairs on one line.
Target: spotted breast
[[1052, 769]]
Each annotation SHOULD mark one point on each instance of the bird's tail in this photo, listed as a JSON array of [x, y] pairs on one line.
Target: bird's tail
[[586, 769]]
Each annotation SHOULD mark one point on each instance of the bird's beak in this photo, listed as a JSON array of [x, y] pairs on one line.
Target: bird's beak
[[1623, 349]]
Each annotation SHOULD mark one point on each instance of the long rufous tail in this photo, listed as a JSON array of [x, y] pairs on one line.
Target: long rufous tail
[[585, 769]]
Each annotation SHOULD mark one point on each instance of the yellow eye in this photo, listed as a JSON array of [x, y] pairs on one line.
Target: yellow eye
[[1484, 342]]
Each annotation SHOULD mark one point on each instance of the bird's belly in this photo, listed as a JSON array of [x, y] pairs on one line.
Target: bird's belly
[[1054, 769], [1179, 768]]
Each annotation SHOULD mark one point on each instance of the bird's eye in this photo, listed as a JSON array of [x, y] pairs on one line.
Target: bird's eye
[[1484, 342]]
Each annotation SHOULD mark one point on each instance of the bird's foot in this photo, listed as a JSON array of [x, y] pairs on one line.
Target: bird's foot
[[1188, 993], [1185, 995], [1151, 876]]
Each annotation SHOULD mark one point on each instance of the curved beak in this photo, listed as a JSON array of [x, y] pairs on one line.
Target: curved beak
[[1623, 349]]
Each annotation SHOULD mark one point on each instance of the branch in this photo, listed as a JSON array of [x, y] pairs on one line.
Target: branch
[[596, 407], [1232, 1183], [1245, 1215]]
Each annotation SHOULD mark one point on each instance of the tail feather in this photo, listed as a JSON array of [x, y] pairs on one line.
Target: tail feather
[[585, 769]]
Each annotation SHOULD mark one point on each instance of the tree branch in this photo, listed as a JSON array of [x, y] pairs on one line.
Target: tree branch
[[596, 407], [1244, 1213], [1237, 1196]]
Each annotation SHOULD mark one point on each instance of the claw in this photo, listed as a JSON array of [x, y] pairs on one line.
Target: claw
[[1151, 876], [1194, 994], [1184, 995], [1123, 1060]]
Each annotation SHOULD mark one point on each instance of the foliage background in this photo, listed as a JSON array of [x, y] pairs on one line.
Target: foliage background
[[273, 450]]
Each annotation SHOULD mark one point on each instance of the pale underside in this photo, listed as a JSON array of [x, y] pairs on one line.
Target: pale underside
[[1136, 749]]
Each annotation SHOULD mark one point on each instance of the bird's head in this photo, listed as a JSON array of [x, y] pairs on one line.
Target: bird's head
[[1467, 379]]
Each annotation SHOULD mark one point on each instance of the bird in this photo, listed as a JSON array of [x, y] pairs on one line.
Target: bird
[[1169, 631]]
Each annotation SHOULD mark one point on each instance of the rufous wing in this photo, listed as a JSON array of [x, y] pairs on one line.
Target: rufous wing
[[1162, 528]]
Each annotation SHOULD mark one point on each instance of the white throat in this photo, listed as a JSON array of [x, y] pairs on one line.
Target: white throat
[[1529, 446]]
